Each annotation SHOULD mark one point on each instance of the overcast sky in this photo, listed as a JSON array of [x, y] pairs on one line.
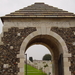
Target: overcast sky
[[8, 6], [37, 52]]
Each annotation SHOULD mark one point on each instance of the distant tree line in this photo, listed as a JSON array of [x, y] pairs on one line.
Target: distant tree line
[[31, 59], [46, 57]]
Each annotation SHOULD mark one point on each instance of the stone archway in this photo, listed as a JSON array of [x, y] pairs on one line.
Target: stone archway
[[51, 37], [39, 19]]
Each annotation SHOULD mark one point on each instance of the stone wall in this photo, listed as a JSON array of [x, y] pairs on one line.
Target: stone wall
[[12, 41], [68, 34], [11, 46]]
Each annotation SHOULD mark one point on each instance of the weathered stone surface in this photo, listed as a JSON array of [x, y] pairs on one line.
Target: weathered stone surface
[[40, 10], [10, 49], [68, 35]]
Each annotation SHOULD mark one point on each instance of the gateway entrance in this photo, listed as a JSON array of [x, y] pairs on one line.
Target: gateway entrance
[[38, 24]]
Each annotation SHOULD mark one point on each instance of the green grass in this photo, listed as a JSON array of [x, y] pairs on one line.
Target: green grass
[[33, 71]]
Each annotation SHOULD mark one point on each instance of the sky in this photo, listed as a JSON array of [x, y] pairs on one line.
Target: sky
[[8, 6], [37, 52]]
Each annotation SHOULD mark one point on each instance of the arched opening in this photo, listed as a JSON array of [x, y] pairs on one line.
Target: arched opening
[[55, 44], [55, 48], [36, 53]]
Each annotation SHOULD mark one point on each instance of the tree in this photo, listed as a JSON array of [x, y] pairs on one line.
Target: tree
[[46, 57], [31, 59]]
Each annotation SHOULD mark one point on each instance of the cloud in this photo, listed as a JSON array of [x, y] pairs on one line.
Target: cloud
[[68, 5], [7, 6]]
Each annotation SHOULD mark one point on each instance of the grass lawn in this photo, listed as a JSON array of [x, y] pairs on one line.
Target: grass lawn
[[33, 71]]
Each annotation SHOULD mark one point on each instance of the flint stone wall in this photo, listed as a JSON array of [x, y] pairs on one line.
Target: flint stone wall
[[12, 41], [68, 34], [15, 32]]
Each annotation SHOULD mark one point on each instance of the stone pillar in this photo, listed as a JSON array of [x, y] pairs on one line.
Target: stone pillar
[[66, 64], [21, 64]]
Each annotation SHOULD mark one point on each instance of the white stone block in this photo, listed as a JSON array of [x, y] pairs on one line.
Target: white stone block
[[48, 29], [18, 34], [11, 47], [21, 65], [5, 66], [74, 33], [39, 30], [22, 60], [73, 43], [67, 64], [44, 30], [20, 56], [21, 51], [66, 55], [21, 73], [1, 43], [21, 69]]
